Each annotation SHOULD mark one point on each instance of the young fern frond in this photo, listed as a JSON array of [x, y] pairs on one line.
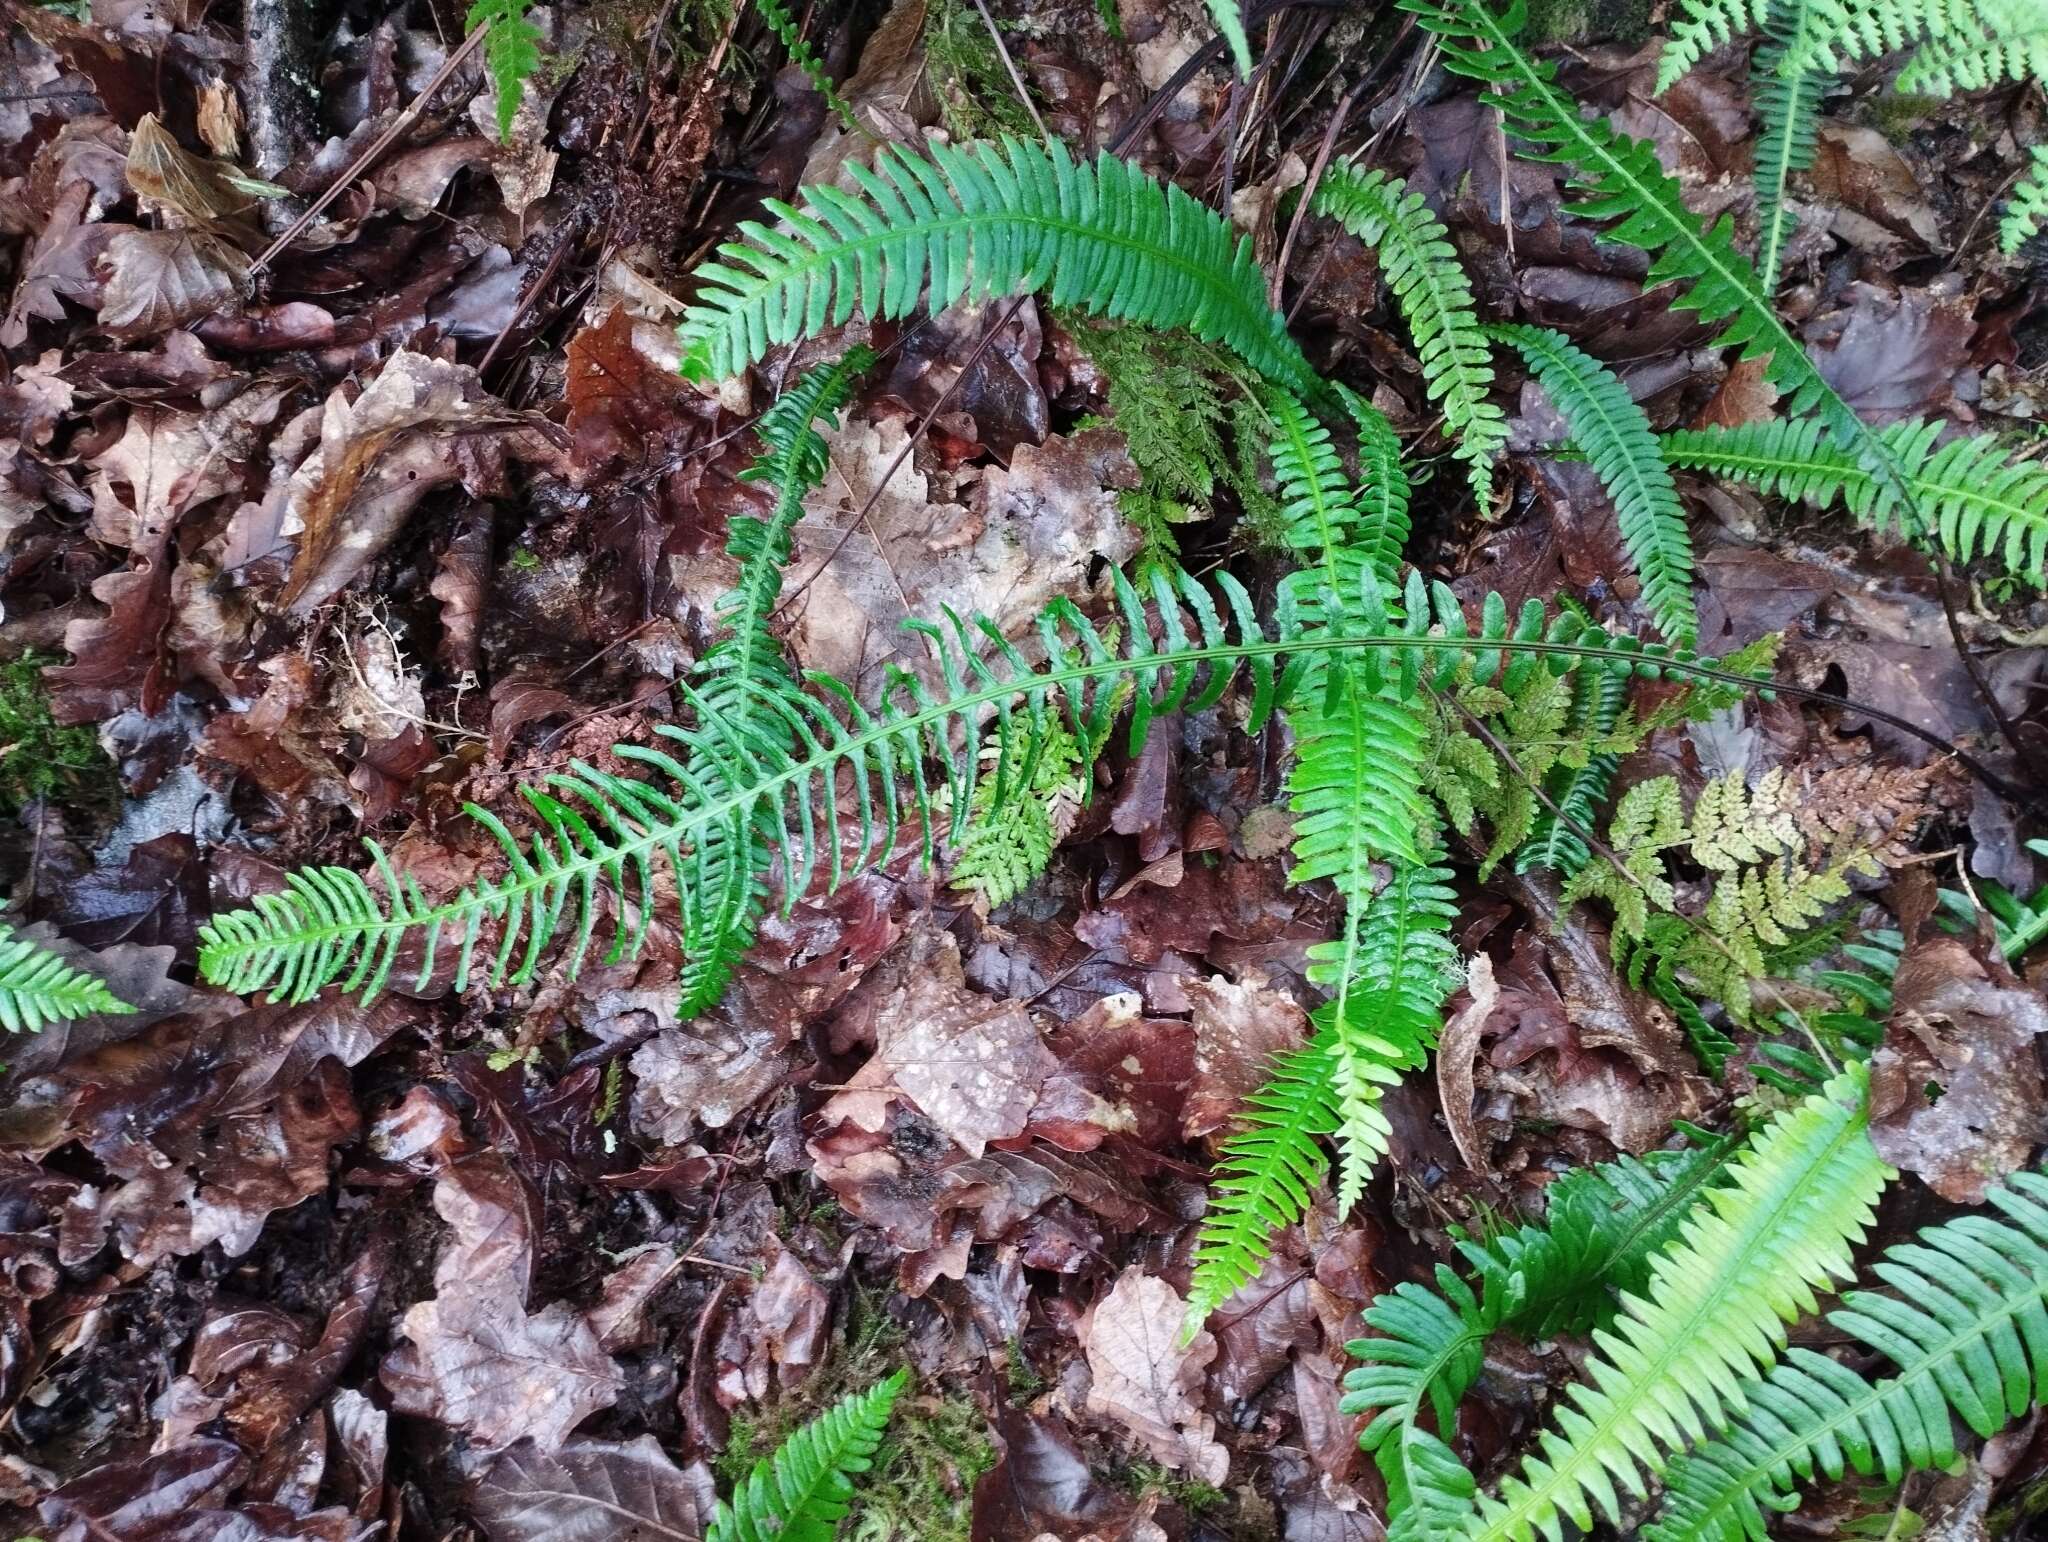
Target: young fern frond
[[1429, 284], [1970, 500], [38, 988], [1621, 179], [1577, 789], [1230, 24], [802, 1491], [1967, 1333], [511, 53], [2029, 206], [805, 58], [908, 764], [1788, 96], [1265, 1175], [1703, 26], [991, 219], [1748, 1263], [1615, 436]]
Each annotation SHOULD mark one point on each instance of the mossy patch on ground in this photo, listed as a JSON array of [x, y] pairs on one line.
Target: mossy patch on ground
[[40, 757]]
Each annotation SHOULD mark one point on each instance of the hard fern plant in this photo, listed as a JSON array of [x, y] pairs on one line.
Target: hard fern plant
[[511, 52], [38, 988], [802, 1491]]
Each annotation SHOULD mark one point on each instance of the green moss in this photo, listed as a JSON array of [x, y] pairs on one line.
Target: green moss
[[1193, 1495], [976, 96], [923, 1480], [41, 758]]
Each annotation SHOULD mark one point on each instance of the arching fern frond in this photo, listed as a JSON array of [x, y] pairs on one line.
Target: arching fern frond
[[907, 765], [38, 988], [1973, 501], [1788, 95], [1747, 1264], [802, 1491], [511, 52], [991, 219], [1435, 296], [1967, 1333], [1615, 436], [1621, 179], [2029, 206], [1980, 46]]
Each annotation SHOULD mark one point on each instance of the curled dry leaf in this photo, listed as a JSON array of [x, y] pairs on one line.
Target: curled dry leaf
[[1147, 1380], [594, 1491], [1956, 1088]]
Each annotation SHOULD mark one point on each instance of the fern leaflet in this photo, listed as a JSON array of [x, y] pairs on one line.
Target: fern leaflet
[[37, 987], [1576, 788], [2029, 206], [1230, 23], [1967, 1331], [805, 58], [1973, 503], [801, 1492], [1747, 1263], [1423, 271], [992, 219], [511, 53], [1788, 103], [1702, 27], [1616, 438]]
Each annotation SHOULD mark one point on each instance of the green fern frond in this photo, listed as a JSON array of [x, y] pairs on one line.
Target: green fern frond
[[1967, 1333], [1747, 1264], [1788, 97], [37, 987], [805, 58], [1230, 24], [1266, 1174], [991, 219], [1972, 500], [1979, 46], [1576, 786], [802, 1492], [892, 766], [2029, 206], [1615, 436], [1620, 178], [1845, 30], [511, 53], [1429, 283], [1703, 26]]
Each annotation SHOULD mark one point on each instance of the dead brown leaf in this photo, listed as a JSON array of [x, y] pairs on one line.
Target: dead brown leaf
[[594, 1491], [160, 279], [1147, 1380]]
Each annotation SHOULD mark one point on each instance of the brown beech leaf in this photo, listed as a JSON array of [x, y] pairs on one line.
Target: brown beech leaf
[[973, 1064], [478, 1360], [1147, 1380], [1955, 1029], [161, 169], [621, 406], [120, 1499], [1239, 1027], [594, 1491], [495, 1217], [422, 423], [160, 279]]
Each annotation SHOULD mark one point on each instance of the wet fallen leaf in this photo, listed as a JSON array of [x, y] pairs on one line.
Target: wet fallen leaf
[[160, 279], [1147, 1379], [594, 1491]]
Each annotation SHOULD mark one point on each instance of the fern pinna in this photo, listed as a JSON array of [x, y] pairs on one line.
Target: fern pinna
[[803, 1489], [38, 988], [511, 52]]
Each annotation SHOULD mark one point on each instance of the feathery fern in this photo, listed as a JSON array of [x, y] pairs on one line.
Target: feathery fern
[[991, 219], [801, 1492], [1703, 26], [1971, 501], [1748, 1263], [1615, 436], [511, 53], [805, 58], [1621, 179], [1430, 285], [2029, 206], [1576, 786], [37, 987], [1967, 1333]]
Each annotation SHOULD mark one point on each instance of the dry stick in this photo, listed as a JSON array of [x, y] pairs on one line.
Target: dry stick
[[1003, 50], [1308, 188], [1943, 575], [399, 126]]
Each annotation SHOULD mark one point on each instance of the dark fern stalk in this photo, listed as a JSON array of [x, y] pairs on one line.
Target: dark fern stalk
[[1615, 436]]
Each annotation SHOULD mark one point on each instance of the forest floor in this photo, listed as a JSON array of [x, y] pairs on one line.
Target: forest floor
[[415, 511]]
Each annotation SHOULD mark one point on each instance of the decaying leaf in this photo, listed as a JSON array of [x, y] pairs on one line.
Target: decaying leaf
[[1147, 1380], [160, 279], [594, 1491]]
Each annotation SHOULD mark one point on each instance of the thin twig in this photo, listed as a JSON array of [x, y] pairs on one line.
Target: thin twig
[[1016, 79]]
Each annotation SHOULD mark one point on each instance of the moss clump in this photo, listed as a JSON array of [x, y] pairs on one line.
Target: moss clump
[[40, 757]]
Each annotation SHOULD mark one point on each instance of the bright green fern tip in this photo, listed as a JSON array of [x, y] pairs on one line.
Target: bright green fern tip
[[37, 987], [511, 53], [803, 1491], [1616, 438], [1429, 284], [2029, 206], [776, 15], [1230, 23]]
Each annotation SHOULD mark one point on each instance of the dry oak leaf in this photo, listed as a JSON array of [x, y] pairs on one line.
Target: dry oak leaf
[[1147, 1380], [478, 1360], [594, 1491], [423, 423], [160, 279], [973, 1064]]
